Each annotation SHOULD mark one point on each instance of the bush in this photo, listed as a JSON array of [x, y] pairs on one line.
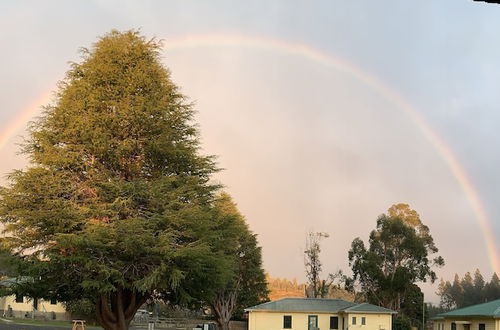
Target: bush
[[401, 323], [82, 309]]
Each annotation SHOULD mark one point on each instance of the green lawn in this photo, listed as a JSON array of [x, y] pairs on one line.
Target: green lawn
[[46, 323]]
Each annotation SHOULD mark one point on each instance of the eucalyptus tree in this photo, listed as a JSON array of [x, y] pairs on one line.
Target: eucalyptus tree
[[401, 252]]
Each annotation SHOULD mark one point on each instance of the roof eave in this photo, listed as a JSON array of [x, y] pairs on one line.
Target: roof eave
[[317, 311], [472, 315], [289, 311]]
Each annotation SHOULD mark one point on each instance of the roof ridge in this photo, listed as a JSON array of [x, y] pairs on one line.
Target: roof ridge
[[490, 308], [317, 304], [308, 298], [485, 303], [312, 298]]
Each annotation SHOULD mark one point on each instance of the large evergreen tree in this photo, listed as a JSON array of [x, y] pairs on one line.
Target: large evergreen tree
[[479, 292], [117, 202], [492, 289], [248, 285]]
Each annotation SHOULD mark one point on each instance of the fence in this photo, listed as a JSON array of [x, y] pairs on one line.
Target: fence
[[182, 323]]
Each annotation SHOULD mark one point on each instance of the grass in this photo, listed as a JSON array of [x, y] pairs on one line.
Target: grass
[[67, 324]]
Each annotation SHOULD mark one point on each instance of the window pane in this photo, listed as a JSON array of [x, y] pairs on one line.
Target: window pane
[[482, 326], [19, 298], [363, 320], [312, 321], [334, 322], [453, 326], [354, 320], [287, 322]]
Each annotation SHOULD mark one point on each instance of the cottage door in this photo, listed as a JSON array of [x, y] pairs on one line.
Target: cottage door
[[313, 322]]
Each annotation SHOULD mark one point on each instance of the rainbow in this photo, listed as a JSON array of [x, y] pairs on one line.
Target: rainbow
[[18, 123], [341, 65]]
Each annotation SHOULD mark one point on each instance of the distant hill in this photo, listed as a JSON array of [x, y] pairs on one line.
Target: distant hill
[[285, 288]]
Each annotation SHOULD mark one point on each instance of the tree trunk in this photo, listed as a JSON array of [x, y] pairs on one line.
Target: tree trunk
[[223, 326], [223, 307], [116, 310]]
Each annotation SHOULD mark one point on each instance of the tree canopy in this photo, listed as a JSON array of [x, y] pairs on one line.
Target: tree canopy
[[117, 203], [248, 285], [317, 288], [398, 256]]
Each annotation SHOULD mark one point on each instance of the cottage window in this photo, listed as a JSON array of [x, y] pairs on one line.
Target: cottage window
[[334, 322], [287, 321], [363, 320], [53, 301], [19, 299], [354, 321], [453, 326], [482, 326]]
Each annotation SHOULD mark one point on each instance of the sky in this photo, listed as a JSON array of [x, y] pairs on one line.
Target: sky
[[322, 113]]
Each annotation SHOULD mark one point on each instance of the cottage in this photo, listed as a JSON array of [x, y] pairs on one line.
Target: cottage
[[318, 314], [477, 317], [22, 307], [19, 306]]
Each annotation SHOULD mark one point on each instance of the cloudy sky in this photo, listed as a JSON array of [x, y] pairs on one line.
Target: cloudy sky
[[308, 141]]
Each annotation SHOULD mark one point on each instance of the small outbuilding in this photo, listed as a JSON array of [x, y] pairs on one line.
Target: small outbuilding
[[318, 314], [477, 317]]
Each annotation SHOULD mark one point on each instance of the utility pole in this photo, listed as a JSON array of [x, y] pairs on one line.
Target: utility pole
[[423, 311]]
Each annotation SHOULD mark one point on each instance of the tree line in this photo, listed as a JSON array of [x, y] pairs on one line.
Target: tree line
[[468, 290]]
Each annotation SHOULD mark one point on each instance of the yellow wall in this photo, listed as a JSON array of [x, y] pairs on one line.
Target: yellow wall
[[373, 321], [46, 306], [264, 320], [11, 301], [27, 305]]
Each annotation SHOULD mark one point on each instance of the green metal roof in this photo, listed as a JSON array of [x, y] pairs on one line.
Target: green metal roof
[[9, 282], [489, 309], [367, 308], [318, 305]]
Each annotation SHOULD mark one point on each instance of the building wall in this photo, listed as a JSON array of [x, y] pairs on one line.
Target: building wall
[[373, 321], [490, 324], [264, 320], [45, 308]]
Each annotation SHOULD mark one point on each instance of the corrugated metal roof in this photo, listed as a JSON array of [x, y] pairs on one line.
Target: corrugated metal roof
[[489, 309], [317, 305], [367, 308], [9, 282]]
